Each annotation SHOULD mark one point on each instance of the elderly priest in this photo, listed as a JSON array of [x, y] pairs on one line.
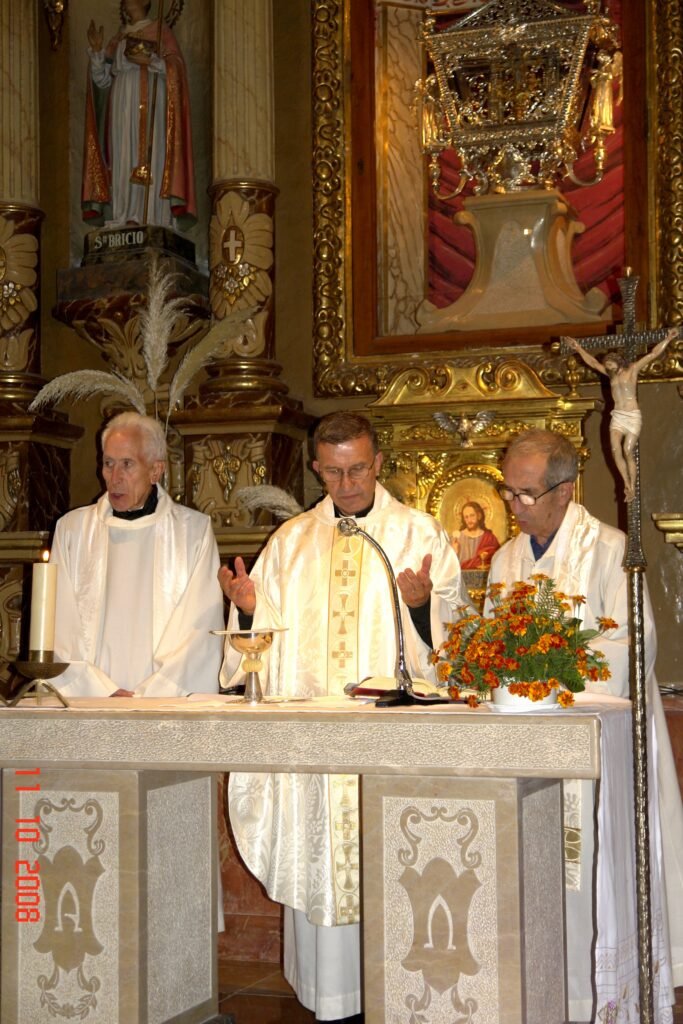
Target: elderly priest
[[137, 594], [299, 833], [561, 539]]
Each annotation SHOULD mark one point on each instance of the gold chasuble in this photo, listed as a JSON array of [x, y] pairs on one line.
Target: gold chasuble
[[298, 833]]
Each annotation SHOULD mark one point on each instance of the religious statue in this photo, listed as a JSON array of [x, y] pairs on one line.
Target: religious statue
[[626, 417], [474, 543], [609, 69], [138, 165]]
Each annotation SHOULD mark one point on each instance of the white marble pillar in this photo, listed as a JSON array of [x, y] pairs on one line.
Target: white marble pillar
[[241, 256], [243, 87]]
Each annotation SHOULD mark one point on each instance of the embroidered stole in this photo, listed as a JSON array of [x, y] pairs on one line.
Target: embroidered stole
[[342, 668]]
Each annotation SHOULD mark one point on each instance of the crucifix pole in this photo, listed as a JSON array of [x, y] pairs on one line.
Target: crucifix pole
[[633, 342]]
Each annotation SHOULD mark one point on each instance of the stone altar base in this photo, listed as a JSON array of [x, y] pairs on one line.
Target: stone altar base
[[463, 900], [123, 927]]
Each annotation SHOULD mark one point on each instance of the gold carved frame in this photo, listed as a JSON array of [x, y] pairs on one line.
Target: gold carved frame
[[471, 481], [344, 219]]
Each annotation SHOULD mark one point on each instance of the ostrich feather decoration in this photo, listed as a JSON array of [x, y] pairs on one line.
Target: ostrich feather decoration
[[84, 384], [274, 499], [157, 320], [156, 325], [233, 326]]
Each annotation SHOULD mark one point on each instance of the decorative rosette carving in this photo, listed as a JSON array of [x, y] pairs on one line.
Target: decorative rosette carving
[[241, 254], [18, 277]]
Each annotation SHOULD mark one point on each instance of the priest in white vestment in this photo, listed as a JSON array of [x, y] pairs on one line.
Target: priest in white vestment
[[560, 539], [137, 594], [299, 833]]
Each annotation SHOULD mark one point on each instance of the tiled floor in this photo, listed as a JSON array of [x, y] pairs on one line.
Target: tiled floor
[[258, 994]]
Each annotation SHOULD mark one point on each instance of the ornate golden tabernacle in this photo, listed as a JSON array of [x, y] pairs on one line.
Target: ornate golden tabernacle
[[509, 89]]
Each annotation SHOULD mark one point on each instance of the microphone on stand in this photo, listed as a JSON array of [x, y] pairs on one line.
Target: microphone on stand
[[403, 694]]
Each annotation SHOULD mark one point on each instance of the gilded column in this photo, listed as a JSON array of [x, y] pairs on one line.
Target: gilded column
[[241, 247]]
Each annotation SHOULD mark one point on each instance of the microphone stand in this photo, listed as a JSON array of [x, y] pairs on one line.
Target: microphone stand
[[403, 695]]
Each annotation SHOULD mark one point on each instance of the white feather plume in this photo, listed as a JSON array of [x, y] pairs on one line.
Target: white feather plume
[[84, 384], [157, 320], [233, 326], [274, 499]]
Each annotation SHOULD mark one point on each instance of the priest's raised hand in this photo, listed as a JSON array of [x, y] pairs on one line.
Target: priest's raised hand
[[416, 587], [237, 586]]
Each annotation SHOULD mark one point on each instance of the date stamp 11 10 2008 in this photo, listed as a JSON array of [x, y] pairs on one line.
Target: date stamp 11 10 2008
[[26, 873]]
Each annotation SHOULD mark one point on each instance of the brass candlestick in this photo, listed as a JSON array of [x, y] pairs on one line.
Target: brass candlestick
[[40, 667]]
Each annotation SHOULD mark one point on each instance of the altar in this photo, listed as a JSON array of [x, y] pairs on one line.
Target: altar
[[111, 804]]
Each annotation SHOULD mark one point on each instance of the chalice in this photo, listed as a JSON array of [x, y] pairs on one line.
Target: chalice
[[251, 643]]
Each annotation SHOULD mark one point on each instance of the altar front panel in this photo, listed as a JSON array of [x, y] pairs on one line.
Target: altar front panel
[[463, 909], [124, 922]]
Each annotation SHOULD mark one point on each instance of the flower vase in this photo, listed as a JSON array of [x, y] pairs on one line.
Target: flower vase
[[502, 697]]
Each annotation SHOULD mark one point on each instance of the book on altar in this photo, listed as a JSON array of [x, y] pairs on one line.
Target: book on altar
[[377, 686]]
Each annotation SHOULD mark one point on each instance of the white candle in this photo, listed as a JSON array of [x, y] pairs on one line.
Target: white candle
[[43, 603]]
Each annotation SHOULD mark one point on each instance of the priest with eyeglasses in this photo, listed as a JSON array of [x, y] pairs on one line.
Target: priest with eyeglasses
[[299, 833], [560, 539]]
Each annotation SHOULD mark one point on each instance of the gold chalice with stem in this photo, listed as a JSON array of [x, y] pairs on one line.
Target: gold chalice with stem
[[251, 643]]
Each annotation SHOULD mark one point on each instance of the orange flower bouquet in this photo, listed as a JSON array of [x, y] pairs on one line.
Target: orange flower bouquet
[[532, 643]]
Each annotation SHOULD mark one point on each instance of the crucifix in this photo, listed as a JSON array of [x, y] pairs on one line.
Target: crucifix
[[624, 432]]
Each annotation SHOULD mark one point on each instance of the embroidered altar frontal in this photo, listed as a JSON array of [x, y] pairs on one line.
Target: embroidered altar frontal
[[463, 900], [119, 855]]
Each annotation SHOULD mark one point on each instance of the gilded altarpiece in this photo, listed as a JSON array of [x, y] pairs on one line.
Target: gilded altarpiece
[[353, 356], [442, 468], [402, 372]]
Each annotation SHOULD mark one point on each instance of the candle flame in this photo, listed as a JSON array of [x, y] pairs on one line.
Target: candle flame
[[45, 555]]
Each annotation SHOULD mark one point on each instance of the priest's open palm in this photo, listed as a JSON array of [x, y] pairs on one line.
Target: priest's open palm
[[416, 587], [237, 586]]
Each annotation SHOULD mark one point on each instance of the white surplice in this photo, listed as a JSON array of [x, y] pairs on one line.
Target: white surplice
[[585, 558], [299, 833], [136, 602]]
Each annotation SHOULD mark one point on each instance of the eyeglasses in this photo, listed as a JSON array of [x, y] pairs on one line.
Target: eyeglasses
[[507, 494], [355, 473]]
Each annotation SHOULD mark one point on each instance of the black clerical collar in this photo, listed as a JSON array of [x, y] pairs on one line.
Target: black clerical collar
[[146, 510], [338, 514], [540, 549]]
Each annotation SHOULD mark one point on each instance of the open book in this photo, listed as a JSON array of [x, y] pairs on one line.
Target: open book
[[378, 686]]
